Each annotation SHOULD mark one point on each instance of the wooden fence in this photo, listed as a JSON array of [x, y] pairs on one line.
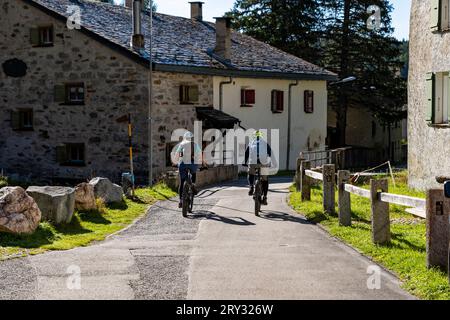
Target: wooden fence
[[435, 209]]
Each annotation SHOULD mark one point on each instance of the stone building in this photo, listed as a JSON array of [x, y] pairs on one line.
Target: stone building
[[429, 99], [64, 87], [365, 132]]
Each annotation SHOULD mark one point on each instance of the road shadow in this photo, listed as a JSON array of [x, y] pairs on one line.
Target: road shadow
[[283, 216], [209, 215]]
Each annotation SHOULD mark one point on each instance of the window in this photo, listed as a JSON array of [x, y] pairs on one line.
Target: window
[[248, 97], [440, 15], [277, 105], [309, 101], [72, 93], [438, 99], [22, 120], [42, 36], [71, 154], [189, 94], [75, 93]]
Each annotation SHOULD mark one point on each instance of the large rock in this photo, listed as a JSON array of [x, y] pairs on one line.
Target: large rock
[[85, 197], [19, 213], [108, 191], [57, 204]]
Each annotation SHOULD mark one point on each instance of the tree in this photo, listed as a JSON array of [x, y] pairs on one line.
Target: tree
[[335, 34], [373, 56], [290, 25]]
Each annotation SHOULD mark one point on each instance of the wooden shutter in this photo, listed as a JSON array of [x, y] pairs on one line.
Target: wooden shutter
[[248, 97], [273, 105], [61, 154], [280, 101], [15, 120], [193, 94], [309, 101], [430, 97], [60, 93], [448, 100], [435, 15], [182, 100], [34, 36]]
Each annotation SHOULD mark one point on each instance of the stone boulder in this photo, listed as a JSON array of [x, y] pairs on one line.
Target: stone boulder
[[19, 213], [108, 191], [85, 197], [57, 204]]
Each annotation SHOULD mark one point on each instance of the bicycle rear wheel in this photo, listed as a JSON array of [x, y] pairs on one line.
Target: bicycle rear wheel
[[191, 200]]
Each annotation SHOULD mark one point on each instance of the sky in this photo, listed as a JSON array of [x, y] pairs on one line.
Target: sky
[[216, 8]]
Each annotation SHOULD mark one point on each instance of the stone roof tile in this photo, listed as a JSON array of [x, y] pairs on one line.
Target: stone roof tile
[[181, 41]]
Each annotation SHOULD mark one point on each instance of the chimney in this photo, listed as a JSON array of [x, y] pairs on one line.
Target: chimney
[[197, 10], [137, 39], [129, 3], [223, 38]]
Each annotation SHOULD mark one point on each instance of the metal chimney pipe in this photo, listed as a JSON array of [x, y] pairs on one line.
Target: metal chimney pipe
[[137, 39]]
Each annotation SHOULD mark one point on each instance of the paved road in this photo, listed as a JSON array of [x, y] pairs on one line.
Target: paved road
[[222, 251]]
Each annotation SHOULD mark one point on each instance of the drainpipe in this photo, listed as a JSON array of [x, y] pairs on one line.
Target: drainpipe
[[221, 92], [288, 154]]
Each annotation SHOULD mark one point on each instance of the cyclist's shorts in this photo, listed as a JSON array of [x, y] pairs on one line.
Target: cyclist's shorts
[[264, 170], [183, 168]]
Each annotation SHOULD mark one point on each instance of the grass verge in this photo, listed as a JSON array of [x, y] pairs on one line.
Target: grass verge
[[405, 255], [85, 227]]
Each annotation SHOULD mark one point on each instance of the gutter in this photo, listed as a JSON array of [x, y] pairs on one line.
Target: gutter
[[288, 153], [221, 92]]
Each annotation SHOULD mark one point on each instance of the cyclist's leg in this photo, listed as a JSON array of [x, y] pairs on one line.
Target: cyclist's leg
[[251, 178], [194, 169], [265, 186], [183, 176]]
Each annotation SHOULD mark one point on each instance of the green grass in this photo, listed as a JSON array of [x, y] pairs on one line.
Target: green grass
[[405, 255], [85, 227], [3, 182]]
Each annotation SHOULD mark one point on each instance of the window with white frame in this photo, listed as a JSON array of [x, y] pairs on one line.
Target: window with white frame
[[440, 15], [438, 98]]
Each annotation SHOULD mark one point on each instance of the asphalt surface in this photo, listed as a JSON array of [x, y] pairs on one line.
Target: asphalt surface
[[221, 251]]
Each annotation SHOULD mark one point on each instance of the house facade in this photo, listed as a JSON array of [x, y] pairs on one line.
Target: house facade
[[429, 99], [64, 90]]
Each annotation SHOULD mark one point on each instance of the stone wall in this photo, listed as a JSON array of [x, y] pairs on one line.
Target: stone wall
[[169, 115], [114, 86], [429, 146]]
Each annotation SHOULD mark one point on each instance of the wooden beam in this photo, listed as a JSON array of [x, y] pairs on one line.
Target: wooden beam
[[315, 175], [358, 191], [403, 200]]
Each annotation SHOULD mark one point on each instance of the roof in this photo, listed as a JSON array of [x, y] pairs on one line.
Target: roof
[[182, 44], [214, 118]]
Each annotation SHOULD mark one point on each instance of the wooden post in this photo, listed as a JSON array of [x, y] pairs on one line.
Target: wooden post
[[438, 208], [328, 188], [344, 202], [298, 174], [381, 224], [305, 181]]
